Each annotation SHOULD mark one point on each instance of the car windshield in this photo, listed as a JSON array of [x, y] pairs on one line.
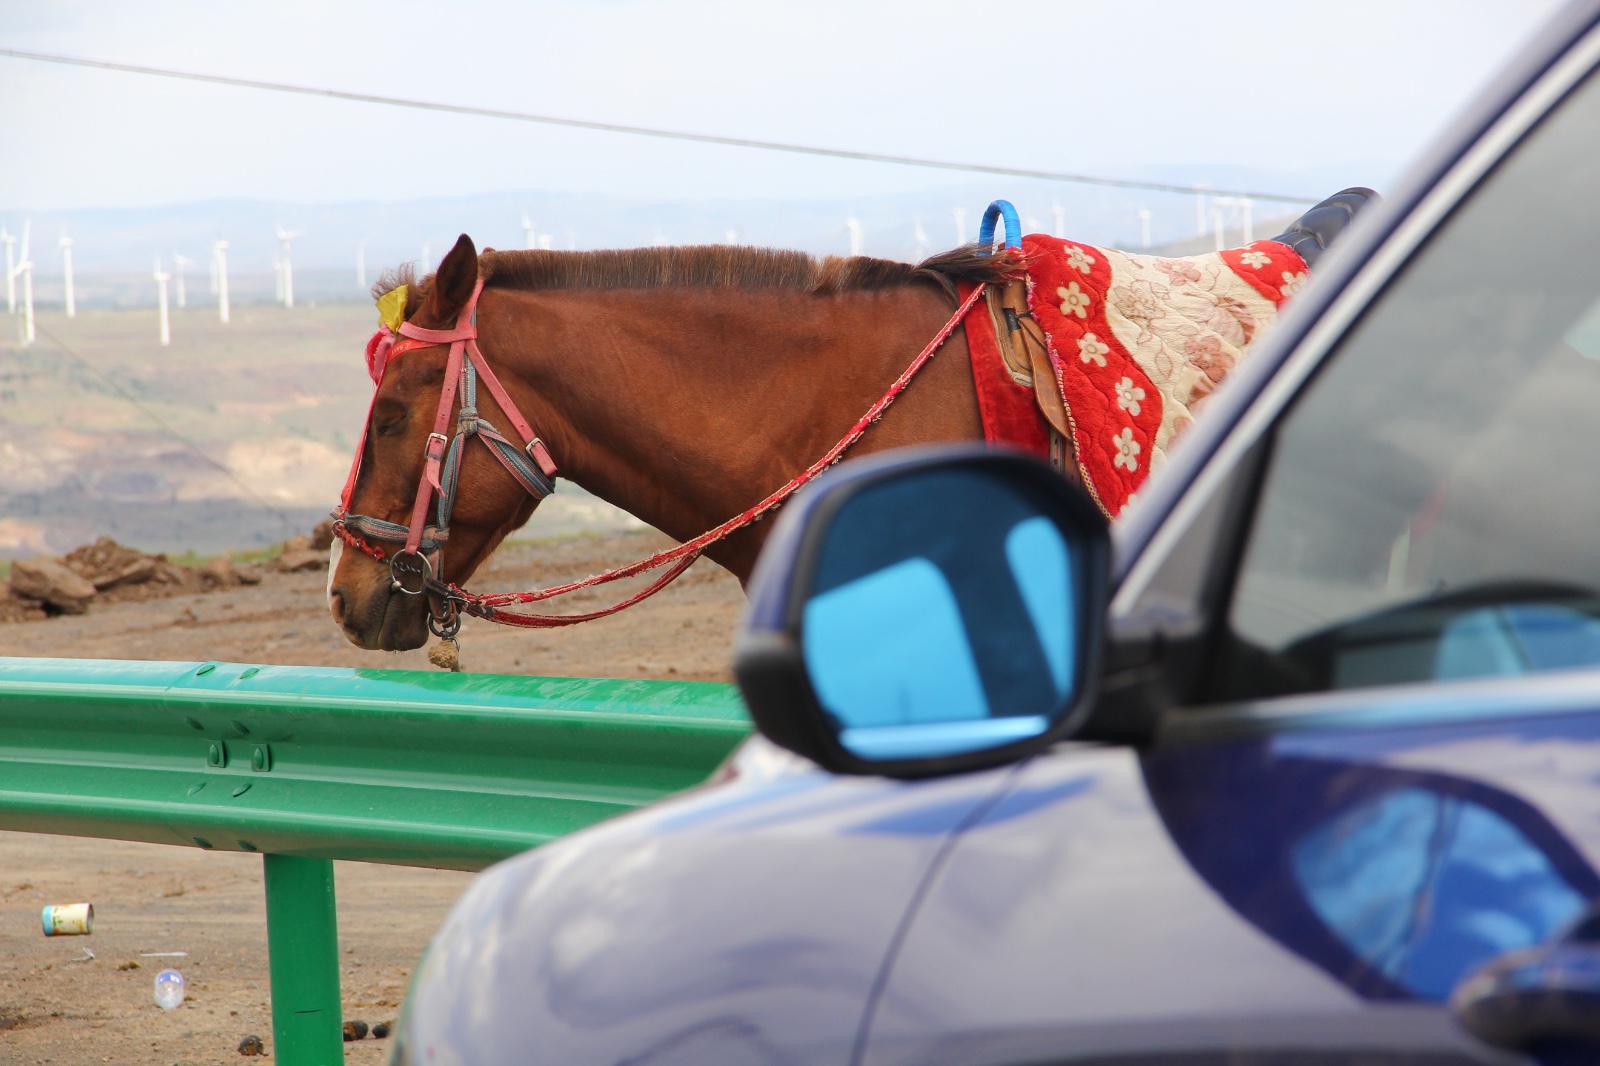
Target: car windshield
[[1431, 506]]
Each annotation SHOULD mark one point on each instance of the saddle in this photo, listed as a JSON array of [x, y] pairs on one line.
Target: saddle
[[1114, 353]]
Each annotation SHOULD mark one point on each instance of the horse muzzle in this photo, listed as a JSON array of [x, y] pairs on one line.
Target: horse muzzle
[[366, 606]]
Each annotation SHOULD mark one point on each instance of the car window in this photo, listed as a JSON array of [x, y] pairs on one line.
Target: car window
[[1432, 502]]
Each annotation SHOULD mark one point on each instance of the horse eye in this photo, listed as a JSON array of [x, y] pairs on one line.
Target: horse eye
[[389, 429]]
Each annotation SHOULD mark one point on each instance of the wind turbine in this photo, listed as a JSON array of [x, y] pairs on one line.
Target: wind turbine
[[178, 263], [1060, 214], [66, 277], [854, 226], [287, 274], [1144, 228], [529, 236], [361, 266], [1246, 224], [427, 256], [162, 277], [961, 225], [219, 265], [10, 241], [920, 237], [24, 268]]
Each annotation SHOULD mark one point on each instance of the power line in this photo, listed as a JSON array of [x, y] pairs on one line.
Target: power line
[[646, 131], [288, 523]]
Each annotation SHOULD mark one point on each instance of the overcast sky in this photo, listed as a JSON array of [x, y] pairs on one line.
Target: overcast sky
[[1108, 88]]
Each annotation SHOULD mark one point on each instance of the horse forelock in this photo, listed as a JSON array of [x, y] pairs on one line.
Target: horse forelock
[[404, 274]]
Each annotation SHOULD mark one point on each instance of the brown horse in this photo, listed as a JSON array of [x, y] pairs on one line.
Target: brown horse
[[680, 384]]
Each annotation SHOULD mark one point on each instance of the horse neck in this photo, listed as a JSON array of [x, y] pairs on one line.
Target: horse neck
[[686, 406]]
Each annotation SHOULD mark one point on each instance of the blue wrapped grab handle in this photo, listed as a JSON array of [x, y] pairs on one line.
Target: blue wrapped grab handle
[[998, 210]]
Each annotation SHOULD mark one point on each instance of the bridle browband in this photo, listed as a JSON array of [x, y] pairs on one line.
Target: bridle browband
[[413, 569]]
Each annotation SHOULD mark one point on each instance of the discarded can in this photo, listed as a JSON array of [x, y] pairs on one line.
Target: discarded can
[[71, 919]]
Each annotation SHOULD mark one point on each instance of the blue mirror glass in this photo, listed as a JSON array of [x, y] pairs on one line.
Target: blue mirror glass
[[942, 618]]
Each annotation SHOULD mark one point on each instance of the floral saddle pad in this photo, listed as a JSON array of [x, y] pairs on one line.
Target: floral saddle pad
[[1138, 342]]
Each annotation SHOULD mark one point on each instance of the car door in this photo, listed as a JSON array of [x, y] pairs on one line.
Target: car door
[[1361, 656]]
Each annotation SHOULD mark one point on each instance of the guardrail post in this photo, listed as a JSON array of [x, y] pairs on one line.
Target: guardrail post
[[303, 947]]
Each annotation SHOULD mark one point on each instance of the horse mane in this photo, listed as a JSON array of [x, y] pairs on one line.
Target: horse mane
[[712, 266]]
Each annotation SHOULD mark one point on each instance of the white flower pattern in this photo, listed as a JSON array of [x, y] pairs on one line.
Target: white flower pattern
[[1255, 259], [1090, 350], [1074, 301], [1129, 396], [1127, 449], [1078, 259], [1293, 283]]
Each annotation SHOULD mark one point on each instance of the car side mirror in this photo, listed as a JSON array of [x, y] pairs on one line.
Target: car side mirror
[[926, 611]]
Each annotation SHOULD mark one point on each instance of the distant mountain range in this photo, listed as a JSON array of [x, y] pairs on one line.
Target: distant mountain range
[[115, 248]]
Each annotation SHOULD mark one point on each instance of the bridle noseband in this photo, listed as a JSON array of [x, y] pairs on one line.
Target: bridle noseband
[[414, 568]]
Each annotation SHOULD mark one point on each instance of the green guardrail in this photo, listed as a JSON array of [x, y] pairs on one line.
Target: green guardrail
[[307, 765]]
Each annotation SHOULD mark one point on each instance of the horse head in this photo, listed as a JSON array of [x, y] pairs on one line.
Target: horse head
[[364, 597]]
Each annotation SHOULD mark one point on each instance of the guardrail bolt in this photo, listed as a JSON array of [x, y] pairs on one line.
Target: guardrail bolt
[[217, 754], [261, 758]]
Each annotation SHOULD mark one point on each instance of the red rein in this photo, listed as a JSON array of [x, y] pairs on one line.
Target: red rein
[[492, 606]]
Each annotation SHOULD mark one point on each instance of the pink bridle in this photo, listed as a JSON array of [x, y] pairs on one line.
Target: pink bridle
[[412, 569]]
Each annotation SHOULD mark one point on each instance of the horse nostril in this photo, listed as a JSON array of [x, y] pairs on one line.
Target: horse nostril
[[336, 604]]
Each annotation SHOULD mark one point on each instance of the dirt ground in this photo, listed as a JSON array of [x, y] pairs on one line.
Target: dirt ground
[[684, 632], [56, 1006], [150, 898]]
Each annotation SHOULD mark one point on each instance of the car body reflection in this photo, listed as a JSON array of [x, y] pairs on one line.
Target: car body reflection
[[1396, 882]]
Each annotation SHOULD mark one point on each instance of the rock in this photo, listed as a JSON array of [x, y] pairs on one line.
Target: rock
[[354, 1030], [42, 578], [381, 1030], [183, 577], [107, 564], [290, 562], [219, 573], [14, 608], [296, 544], [248, 575], [322, 536], [252, 1045], [135, 573]]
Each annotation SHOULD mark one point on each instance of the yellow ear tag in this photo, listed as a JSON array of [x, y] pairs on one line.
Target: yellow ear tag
[[392, 308]]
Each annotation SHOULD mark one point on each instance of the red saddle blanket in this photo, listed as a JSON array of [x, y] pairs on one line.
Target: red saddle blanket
[[1136, 343]]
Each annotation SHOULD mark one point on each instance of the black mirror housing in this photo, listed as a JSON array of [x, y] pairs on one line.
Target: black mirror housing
[[927, 611]]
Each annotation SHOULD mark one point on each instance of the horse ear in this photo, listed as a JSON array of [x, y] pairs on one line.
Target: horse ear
[[453, 282]]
